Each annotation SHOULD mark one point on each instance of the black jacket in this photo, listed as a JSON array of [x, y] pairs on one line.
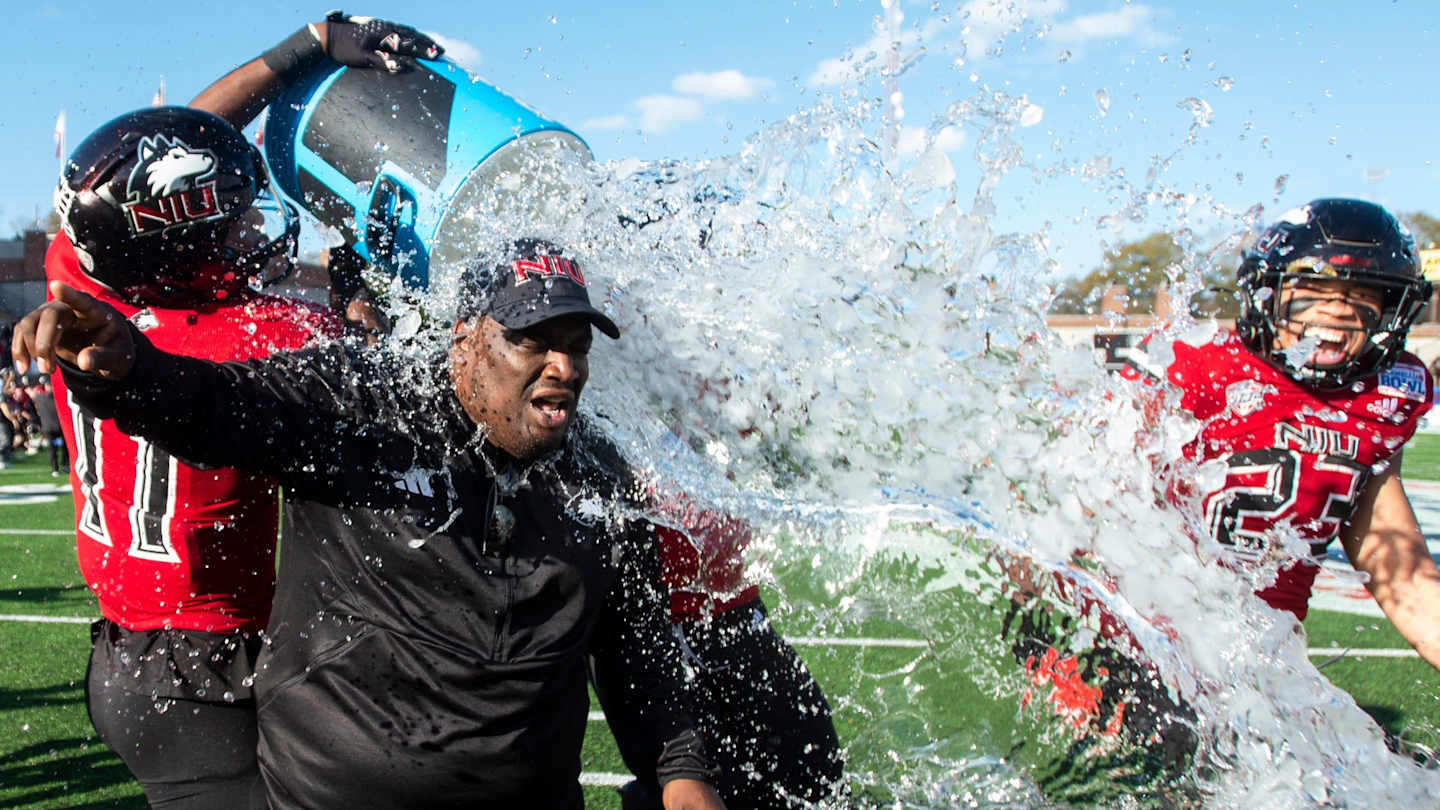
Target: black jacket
[[425, 649]]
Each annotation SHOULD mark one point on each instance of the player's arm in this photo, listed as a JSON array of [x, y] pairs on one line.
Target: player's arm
[[636, 666], [690, 794], [280, 416], [352, 299], [241, 94], [76, 329], [1384, 540]]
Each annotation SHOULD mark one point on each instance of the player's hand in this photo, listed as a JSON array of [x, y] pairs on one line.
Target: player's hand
[[690, 794], [76, 328], [363, 317], [373, 43]]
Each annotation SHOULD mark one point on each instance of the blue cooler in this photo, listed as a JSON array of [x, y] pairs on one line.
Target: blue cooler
[[385, 159]]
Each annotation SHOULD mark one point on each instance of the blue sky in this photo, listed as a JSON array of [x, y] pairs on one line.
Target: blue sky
[[1221, 99]]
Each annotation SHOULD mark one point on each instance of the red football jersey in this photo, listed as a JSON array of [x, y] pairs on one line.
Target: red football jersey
[[1297, 456], [702, 558], [160, 542]]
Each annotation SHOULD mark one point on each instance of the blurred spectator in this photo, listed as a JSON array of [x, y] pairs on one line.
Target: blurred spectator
[[9, 422], [23, 410], [43, 395]]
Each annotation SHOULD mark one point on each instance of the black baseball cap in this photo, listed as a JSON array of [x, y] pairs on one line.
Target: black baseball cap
[[535, 282]]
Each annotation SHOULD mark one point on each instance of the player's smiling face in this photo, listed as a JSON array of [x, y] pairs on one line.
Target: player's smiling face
[[1336, 316], [521, 385]]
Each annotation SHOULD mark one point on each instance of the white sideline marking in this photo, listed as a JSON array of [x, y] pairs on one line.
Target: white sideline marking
[[48, 619], [830, 641], [1351, 652], [817, 641], [37, 531], [604, 779]]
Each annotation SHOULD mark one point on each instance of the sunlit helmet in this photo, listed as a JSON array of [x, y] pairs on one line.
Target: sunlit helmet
[[172, 206], [1348, 240]]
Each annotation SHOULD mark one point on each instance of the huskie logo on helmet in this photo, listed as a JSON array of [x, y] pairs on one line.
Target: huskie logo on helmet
[[165, 186]]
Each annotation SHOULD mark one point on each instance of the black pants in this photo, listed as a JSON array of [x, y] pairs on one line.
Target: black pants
[[59, 453], [766, 723], [187, 753]]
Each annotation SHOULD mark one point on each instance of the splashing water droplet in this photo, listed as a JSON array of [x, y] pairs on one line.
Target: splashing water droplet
[[1102, 101], [1199, 109]]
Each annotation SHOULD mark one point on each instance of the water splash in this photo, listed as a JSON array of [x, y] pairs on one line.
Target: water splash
[[848, 349]]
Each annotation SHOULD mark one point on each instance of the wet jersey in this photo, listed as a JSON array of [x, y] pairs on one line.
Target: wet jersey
[[163, 543], [1297, 456], [702, 556]]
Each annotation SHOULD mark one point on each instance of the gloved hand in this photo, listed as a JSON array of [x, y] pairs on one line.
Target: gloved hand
[[352, 41], [368, 42]]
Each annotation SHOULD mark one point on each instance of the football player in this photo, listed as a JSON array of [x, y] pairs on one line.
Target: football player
[[167, 214], [766, 723], [1309, 402]]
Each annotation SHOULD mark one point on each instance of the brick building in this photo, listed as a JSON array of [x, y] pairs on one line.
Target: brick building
[[1114, 328]]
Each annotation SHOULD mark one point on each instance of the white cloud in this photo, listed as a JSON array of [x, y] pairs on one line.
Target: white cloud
[[660, 112], [984, 22], [981, 24], [858, 60], [463, 53], [605, 123], [831, 72], [723, 85], [1131, 22]]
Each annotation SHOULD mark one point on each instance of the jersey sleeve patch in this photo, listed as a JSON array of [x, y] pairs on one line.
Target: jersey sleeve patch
[[1403, 380]]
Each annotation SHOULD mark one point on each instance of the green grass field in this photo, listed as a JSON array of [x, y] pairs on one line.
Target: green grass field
[[50, 757]]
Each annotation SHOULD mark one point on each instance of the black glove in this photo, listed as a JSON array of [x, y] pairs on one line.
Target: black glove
[[368, 42], [353, 41]]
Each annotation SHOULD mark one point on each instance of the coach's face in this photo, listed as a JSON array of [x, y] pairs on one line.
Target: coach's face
[[521, 385]]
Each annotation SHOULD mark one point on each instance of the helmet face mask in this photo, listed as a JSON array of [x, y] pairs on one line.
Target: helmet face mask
[[1327, 241], [262, 241], [151, 202]]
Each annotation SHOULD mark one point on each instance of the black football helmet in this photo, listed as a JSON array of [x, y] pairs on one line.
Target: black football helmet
[[171, 206], [1348, 240]]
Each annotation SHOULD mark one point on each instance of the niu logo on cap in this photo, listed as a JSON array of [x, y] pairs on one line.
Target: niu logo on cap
[[546, 266], [165, 189]]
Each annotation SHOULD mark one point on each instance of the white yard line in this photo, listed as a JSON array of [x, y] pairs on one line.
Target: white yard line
[[70, 532], [830, 641], [826, 641], [1359, 652], [47, 619], [601, 779]]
